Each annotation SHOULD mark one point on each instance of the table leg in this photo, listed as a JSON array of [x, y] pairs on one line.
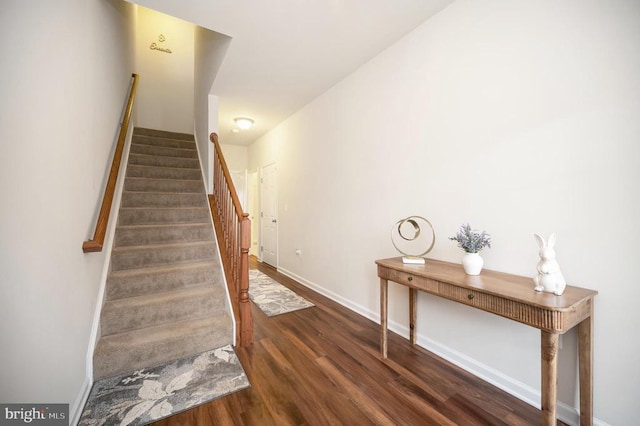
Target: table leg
[[585, 362], [384, 284], [413, 297], [549, 385]]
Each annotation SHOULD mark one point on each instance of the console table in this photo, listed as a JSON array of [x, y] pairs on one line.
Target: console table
[[512, 297]]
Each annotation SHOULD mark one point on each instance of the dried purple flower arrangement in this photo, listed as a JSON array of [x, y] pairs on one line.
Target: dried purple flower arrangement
[[471, 240]]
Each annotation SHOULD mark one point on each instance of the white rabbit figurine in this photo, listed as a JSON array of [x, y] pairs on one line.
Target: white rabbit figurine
[[549, 278]]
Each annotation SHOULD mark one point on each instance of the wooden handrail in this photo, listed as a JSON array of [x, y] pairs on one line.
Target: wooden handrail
[[95, 244], [233, 231]]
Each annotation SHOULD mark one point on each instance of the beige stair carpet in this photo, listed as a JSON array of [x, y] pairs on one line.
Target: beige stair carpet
[[165, 295]]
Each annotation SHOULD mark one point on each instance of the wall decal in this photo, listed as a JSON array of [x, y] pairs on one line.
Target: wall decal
[[156, 46]]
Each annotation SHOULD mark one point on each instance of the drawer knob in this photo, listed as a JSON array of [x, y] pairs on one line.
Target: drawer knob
[[471, 296], [410, 279]]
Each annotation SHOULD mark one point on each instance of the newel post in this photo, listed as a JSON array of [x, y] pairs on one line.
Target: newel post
[[246, 331]]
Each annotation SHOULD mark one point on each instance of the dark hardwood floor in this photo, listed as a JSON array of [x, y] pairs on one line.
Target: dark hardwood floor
[[322, 366]]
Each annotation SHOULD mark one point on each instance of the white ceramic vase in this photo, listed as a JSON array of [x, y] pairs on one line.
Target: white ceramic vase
[[472, 263]]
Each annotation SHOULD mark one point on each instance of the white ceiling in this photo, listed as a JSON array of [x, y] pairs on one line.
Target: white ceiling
[[284, 53]]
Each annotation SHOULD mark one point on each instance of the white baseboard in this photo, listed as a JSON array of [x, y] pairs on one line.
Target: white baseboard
[[373, 316], [76, 410], [215, 236], [522, 391]]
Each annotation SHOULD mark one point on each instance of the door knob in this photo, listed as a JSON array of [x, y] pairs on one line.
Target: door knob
[[273, 220]]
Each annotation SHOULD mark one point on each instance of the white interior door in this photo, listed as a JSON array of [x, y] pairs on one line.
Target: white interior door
[[269, 215]]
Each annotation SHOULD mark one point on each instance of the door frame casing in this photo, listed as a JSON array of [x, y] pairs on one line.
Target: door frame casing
[[261, 227]]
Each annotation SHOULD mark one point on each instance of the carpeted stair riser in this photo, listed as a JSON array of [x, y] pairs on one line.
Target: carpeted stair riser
[[138, 282], [163, 152], [158, 216], [163, 172], [163, 185], [164, 142], [120, 353], [149, 310], [156, 161], [159, 199], [154, 255], [162, 134], [162, 234], [135, 199]]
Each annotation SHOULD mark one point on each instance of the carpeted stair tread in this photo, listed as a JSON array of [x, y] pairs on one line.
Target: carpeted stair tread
[[136, 170], [143, 184], [143, 256], [158, 216], [162, 134], [137, 282], [162, 234], [162, 199], [148, 347], [164, 142], [148, 310], [163, 151], [155, 160]]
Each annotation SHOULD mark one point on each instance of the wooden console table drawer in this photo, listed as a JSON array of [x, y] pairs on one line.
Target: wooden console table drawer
[[534, 316], [466, 296], [512, 297], [412, 280]]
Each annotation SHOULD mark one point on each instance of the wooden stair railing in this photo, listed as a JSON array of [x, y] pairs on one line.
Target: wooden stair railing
[[95, 244], [233, 230]]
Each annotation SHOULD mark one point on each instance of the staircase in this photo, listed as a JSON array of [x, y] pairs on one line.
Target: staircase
[[165, 295]]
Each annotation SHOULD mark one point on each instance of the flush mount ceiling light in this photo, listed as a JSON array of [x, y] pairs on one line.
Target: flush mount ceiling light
[[243, 123]]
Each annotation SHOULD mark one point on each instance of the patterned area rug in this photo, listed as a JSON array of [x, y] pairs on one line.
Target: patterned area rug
[[150, 394], [272, 297]]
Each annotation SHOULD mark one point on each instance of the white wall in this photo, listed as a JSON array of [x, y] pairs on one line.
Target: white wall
[[236, 156], [518, 117], [65, 77], [210, 49], [165, 92]]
